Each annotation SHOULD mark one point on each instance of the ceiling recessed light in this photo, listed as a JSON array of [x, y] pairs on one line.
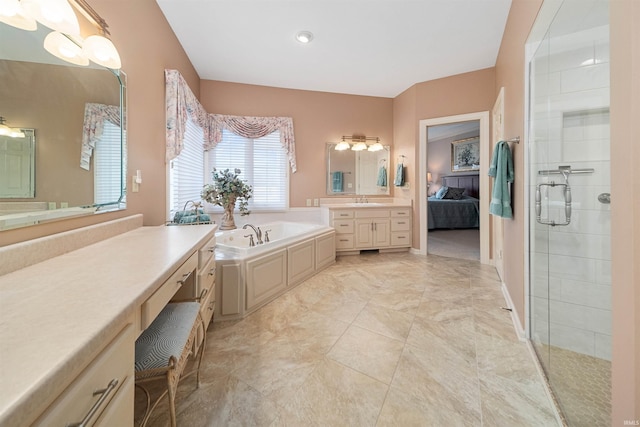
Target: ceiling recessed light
[[304, 37]]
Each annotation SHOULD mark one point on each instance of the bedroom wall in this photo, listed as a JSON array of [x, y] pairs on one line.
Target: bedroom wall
[[439, 159], [147, 46], [318, 118]]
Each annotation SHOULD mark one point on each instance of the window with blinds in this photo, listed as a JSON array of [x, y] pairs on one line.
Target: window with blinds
[[186, 173], [264, 166], [108, 157]]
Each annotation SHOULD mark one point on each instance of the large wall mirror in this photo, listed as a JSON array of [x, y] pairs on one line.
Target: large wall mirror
[[364, 172], [58, 104]]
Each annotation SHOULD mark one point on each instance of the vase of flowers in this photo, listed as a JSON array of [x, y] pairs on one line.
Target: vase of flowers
[[227, 188]]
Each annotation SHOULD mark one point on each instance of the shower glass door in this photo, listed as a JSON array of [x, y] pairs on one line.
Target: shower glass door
[[569, 217]]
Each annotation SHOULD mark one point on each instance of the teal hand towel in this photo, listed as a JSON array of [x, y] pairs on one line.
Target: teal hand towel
[[501, 169], [188, 212], [336, 179], [382, 177], [399, 181], [193, 219]]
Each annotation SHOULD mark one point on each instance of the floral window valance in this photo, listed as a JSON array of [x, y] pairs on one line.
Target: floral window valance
[[94, 117], [182, 104], [256, 127]]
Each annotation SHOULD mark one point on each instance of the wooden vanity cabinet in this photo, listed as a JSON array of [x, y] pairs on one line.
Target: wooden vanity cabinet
[[363, 228], [103, 393]]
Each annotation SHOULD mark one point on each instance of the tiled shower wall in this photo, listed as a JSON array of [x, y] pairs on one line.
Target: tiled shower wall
[[571, 265]]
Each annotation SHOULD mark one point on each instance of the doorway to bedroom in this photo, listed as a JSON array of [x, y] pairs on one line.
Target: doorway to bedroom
[[453, 167], [454, 221]]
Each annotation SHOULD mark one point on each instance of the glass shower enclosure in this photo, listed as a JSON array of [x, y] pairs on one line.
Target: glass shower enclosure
[[569, 313]]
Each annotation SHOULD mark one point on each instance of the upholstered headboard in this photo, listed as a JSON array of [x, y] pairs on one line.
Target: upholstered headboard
[[471, 183]]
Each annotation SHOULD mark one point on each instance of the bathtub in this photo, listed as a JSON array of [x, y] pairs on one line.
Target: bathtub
[[249, 277]]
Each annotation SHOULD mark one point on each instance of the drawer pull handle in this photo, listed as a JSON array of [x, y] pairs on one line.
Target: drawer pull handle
[[185, 277], [203, 294], [344, 225], [212, 271], [344, 240], [105, 393], [401, 237], [212, 249], [401, 223]]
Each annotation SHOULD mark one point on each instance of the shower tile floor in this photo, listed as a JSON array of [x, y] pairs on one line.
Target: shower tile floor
[[582, 386], [374, 340]]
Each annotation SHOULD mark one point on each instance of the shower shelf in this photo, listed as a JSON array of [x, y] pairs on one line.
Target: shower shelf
[[564, 169]]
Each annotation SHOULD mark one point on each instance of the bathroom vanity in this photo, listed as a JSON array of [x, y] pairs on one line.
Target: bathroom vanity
[[69, 321], [364, 226]]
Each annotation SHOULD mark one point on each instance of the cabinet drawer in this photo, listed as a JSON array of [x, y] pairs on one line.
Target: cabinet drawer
[[206, 277], [343, 226], [401, 239], [114, 365], [206, 252], [344, 241], [208, 306], [372, 213], [399, 213], [156, 302], [400, 224], [341, 214]]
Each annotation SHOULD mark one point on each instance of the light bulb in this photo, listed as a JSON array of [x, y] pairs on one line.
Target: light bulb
[[64, 48], [101, 50], [11, 13], [55, 14]]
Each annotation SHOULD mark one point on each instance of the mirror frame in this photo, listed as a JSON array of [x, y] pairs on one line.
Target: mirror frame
[[351, 173], [26, 211]]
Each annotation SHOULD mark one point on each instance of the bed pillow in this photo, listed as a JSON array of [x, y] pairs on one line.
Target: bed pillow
[[442, 192], [454, 193]]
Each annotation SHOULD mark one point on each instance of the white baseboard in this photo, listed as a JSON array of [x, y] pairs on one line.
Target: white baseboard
[[522, 336]]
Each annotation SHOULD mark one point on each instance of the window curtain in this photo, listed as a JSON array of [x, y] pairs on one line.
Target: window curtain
[[94, 117], [256, 127], [182, 103]]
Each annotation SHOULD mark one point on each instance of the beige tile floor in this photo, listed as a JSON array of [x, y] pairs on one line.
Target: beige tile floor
[[376, 339]]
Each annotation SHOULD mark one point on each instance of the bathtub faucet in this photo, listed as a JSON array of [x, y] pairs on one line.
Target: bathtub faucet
[[255, 230]]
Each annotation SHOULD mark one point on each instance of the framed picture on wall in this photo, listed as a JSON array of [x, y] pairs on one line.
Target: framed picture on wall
[[465, 155]]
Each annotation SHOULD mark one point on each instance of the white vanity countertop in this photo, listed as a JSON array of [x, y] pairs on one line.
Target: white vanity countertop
[[56, 315], [368, 205]]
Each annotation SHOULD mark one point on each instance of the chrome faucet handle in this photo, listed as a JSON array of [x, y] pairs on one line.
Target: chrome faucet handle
[[259, 236], [252, 243], [266, 235]]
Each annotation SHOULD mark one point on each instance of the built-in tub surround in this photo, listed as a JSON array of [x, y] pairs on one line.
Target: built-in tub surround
[[248, 277]]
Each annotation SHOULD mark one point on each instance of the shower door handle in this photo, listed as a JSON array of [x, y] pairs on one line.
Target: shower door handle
[[567, 204]]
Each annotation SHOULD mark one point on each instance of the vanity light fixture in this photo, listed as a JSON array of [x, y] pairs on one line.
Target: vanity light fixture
[[304, 37], [359, 146], [63, 47], [12, 13], [343, 145], [65, 41], [375, 146], [55, 14], [360, 143], [10, 132]]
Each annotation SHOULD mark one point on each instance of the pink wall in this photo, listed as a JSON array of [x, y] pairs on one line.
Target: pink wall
[[318, 118], [449, 96], [625, 209]]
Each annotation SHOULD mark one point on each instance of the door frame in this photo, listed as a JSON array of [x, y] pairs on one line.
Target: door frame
[[483, 118]]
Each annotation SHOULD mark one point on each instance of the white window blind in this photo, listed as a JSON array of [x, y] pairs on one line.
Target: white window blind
[[263, 163], [186, 172], [107, 162]]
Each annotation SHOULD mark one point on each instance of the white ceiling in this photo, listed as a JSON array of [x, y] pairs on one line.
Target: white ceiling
[[362, 47]]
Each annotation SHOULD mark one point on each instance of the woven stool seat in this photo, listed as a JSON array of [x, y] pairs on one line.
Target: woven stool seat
[[162, 350]]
